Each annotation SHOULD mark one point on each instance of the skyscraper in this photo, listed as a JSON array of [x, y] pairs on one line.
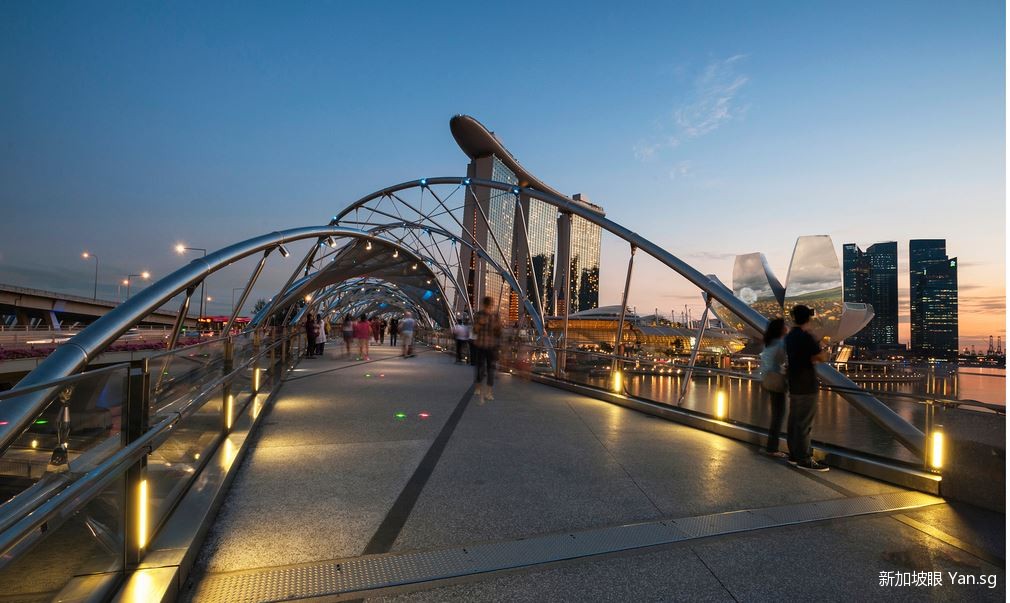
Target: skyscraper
[[933, 292], [585, 260], [871, 277], [856, 286], [883, 260], [512, 221]]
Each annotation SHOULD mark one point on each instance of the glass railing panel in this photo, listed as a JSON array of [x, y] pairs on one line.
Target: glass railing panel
[[89, 542], [736, 395], [178, 375], [79, 428], [175, 461]]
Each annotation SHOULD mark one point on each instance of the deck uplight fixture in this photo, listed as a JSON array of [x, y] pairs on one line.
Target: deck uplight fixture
[[936, 448], [142, 514]]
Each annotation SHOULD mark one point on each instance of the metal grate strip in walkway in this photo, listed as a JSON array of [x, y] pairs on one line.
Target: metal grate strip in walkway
[[373, 572]]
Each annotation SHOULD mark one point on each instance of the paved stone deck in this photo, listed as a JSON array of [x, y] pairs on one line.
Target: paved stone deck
[[332, 458]]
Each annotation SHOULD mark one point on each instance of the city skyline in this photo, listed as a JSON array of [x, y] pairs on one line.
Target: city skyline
[[137, 128]]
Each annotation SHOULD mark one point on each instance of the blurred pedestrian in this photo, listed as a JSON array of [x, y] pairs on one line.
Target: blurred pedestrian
[[470, 346], [394, 325], [773, 380], [320, 335], [487, 339], [311, 331], [407, 335], [362, 332], [461, 333], [348, 330]]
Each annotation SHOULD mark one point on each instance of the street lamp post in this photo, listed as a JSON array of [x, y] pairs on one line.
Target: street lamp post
[[144, 275], [86, 255], [233, 290], [181, 249]]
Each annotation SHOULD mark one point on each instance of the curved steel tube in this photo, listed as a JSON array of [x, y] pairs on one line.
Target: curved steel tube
[[905, 432], [17, 413], [538, 321], [303, 286]]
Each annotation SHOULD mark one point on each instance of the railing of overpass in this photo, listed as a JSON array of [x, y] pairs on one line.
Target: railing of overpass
[[95, 477]]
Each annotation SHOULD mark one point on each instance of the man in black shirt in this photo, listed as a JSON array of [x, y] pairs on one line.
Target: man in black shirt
[[803, 352]]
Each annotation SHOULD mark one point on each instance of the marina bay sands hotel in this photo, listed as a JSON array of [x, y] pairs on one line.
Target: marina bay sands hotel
[[530, 236]]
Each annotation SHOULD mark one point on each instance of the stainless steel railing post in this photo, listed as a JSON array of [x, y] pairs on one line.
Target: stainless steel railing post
[[134, 425], [227, 399]]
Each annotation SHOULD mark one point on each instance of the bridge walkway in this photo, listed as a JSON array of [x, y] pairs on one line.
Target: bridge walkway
[[387, 480]]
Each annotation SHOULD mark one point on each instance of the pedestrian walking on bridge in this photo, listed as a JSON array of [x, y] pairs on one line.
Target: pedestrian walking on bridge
[[487, 339]]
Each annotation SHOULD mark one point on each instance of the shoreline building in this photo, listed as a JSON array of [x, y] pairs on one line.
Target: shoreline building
[[871, 277], [933, 292], [561, 247]]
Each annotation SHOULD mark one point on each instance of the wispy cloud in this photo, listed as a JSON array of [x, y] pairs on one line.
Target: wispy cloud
[[712, 255], [681, 169], [711, 102], [714, 95], [982, 303]]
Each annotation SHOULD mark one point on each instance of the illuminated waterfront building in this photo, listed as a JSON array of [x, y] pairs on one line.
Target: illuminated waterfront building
[[555, 255], [871, 277], [933, 291]]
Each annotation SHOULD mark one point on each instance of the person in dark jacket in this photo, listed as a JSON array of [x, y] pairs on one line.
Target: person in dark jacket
[[803, 353], [311, 332]]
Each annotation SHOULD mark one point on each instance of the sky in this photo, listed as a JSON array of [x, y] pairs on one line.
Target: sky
[[710, 128]]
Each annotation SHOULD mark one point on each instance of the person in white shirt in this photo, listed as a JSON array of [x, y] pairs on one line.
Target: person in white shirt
[[461, 333], [321, 337]]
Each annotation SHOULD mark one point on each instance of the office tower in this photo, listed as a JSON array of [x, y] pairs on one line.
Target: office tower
[[933, 296], [871, 277], [883, 289], [856, 287]]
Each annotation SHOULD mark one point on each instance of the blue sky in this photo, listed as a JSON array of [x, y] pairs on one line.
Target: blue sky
[[713, 128]]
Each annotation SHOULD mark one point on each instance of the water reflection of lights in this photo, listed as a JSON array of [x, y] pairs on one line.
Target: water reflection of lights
[[720, 405]]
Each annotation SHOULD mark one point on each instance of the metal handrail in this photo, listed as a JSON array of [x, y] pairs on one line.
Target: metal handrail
[[21, 391], [65, 496], [921, 398], [74, 355]]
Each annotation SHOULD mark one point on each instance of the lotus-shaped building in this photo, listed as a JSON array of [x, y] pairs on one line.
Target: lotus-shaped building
[[814, 280]]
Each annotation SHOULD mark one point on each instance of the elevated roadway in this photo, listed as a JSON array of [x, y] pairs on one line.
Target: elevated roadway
[[40, 309]]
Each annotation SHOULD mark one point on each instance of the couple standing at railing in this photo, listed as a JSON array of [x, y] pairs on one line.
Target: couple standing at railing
[[787, 364]]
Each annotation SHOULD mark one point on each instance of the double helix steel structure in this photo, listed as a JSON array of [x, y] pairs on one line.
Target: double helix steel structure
[[401, 248]]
